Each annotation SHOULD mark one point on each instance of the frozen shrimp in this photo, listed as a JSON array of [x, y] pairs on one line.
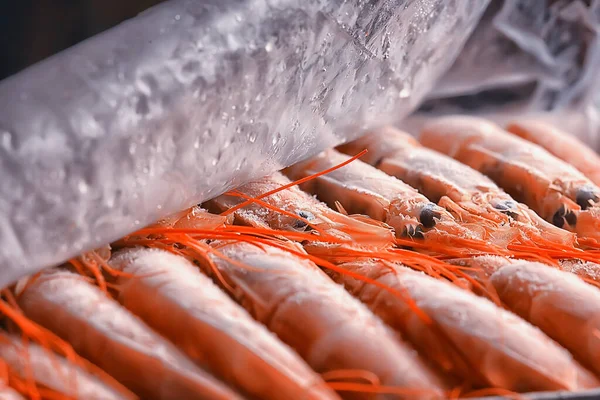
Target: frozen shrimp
[[362, 189], [559, 143], [328, 328], [469, 195], [562, 305], [489, 346], [291, 209], [114, 339], [56, 374], [171, 295], [554, 189]]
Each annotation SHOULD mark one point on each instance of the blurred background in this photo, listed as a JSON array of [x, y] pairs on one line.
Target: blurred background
[[31, 30]]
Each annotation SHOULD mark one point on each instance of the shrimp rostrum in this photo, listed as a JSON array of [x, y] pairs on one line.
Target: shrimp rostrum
[[555, 190]]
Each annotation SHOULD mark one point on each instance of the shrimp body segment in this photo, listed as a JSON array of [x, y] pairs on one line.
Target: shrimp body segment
[[496, 347], [558, 302], [329, 328], [115, 340], [172, 296], [362, 189], [560, 144], [554, 189], [57, 373], [463, 191]]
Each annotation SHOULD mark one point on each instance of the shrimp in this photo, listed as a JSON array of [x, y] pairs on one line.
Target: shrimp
[[57, 374], [294, 210], [490, 346], [114, 339], [363, 189], [168, 293], [555, 190], [328, 328], [469, 195], [562, 305], [562, 145]]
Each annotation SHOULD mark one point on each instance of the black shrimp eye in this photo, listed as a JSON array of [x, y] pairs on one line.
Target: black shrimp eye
[[505, 208], [571, 218], [306, 215], [558, 219], [586, 197], [428, 215]]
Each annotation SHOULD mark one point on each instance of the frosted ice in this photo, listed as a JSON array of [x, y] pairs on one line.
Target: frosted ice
[[182, 103]]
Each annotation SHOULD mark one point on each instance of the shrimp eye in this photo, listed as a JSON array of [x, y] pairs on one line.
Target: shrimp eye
[[428, 215], [413, 232], [586, 198], [505, 208], [571, 218], [558, 219], [307, 216]]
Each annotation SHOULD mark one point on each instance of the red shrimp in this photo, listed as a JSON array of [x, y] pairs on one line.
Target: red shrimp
[[490, 346], [170, 293], [114, 339], [466, 193], [554, 189], [329, 328]]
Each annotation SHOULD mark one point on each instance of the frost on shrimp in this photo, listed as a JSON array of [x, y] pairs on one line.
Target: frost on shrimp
[[558, 302], [555, 190], [466, 335], [327, 327], [467, 194], [362, 189]]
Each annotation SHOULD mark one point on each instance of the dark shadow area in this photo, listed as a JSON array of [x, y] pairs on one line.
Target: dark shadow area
[[31, 30]]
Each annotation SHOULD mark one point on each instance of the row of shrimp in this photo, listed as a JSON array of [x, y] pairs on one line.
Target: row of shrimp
[[403, 274]]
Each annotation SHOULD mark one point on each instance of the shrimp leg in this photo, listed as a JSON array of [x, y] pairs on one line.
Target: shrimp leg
[[169, 293], [115, 340], [57, 373], [329, 328], [562, 145]]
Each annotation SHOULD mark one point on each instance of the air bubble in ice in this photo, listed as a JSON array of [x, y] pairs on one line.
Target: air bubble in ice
[[6, 138], [197, 143], [82, 186], [177, 17], [252, 137]]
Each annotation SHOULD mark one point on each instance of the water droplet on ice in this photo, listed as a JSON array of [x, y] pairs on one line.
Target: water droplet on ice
[[252, 137], [82, 187], [7, 140], [177, 17]]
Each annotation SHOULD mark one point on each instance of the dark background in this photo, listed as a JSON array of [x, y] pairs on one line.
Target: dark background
[[31, 30]]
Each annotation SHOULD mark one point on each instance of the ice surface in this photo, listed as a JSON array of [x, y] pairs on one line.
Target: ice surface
[[192, 98]]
